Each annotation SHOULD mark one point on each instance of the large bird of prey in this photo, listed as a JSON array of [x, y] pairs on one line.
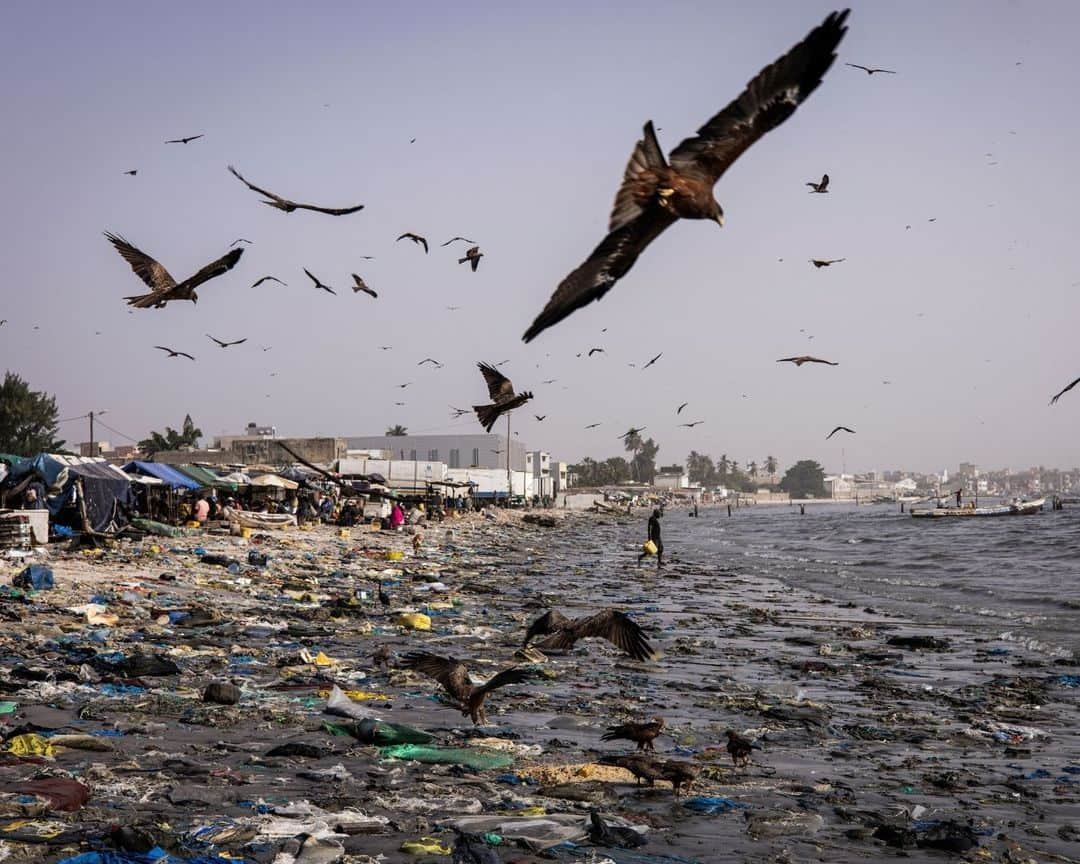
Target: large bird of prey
[[416, 238], [319, 284], [185, 140], [692, 425], [473, 256], [287, 205], [839, 429], [806, 358], [455, 239], [163, 287], [651, 362], [227, 344], [642, 734], [453, 675], [1056, 396], [259, 282], [617, 627], [679, 409], [656, 193], [869, 70], [631, 432], [503, 397], [173, 353], [825, 262], [820, 188], [361, 285]]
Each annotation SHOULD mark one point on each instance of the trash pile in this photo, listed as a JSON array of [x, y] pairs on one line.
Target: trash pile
[[207, 698]]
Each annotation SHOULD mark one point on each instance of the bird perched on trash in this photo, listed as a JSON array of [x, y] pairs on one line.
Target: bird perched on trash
[[615, 626], [643, 734], [473, 256], [806, 358], [361, 285], [416, 238], [656, 193], [679, 774], [825, 262], [453, 675], [839, 429], [163, 288], [173, 353], [382, 656], [822, 187], [642, 767], [503, 397], [739, 748], [318, 284], [289, 206]]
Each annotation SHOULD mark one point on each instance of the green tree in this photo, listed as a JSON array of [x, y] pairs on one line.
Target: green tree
[[771, 465], [643, 465], [395, 431], [617, 470], [804, 479], [700, 469], [188, 436], [752, 469], [27, 419], [722, 465]]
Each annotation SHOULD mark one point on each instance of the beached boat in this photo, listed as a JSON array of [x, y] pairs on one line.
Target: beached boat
[[1017, 508]]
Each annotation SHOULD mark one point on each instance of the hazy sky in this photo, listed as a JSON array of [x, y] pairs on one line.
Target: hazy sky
[[524, 116]]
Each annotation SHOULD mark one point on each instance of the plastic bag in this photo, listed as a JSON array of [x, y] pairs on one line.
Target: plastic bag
[[36, 576], [477, 759]]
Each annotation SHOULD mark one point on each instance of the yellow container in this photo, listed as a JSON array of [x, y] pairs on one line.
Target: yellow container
[[245, 533], [394, 555], [194, 523], [649, 547], [414, 621], [344, 533]]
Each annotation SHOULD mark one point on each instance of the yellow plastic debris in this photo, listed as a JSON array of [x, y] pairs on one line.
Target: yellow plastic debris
[[649, 547], [31, 745], [414, 621], [356, 695], [424, 846], [394, 555]]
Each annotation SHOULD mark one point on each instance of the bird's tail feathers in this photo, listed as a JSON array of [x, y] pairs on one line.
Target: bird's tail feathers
[[487, 415]]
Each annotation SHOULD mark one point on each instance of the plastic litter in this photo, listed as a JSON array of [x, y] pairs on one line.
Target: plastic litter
[[711, 805], [36, 577], [30, 744], [413, 621], [477, 759], [424, 846]]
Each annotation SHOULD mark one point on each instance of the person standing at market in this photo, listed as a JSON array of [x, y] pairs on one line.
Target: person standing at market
[[202, 510], [654, 536]]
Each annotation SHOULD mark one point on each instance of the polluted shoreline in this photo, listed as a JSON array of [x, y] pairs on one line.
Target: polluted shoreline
[[212, 698]]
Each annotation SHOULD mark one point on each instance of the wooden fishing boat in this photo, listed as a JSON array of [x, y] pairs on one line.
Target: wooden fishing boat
[[1017, 508]]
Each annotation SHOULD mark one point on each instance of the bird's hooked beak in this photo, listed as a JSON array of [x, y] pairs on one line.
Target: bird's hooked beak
[[720, 219]]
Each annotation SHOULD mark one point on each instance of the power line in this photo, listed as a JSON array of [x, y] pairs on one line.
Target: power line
[[118, 432]]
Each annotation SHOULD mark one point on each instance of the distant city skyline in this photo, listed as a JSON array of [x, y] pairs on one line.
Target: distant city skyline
[[952, 316]]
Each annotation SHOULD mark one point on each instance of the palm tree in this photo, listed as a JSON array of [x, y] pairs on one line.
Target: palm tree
[[396, 431], [722, 465], [752, 468], [770, 465]]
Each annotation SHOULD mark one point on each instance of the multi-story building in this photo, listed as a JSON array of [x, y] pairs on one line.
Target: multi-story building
[[457, 451]]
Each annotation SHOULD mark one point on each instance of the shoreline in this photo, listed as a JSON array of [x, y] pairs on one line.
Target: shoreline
[[849, 725]]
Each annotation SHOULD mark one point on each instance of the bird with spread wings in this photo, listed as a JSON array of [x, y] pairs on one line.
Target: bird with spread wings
[[656, 193], [289, 206], [806, 358], [611, 624], [839, 429], [453, 675], [503, 397], [163, 288]]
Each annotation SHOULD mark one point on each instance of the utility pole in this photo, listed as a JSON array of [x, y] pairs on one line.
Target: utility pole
[[92, 447], [509, 476]]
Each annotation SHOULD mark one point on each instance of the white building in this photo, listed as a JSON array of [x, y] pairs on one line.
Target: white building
[[672, 477], [840, 486]]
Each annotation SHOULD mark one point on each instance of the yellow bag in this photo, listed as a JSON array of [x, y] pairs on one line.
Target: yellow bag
[[413, 621], [31, 744], [649, 548]]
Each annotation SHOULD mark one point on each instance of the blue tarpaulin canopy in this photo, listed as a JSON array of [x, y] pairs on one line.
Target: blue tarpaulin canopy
[[165, 473]]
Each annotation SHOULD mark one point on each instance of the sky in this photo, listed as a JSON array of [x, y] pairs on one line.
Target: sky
[[524, 116]]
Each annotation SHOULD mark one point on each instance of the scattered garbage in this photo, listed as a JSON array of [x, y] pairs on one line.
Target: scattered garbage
[[36, 577]]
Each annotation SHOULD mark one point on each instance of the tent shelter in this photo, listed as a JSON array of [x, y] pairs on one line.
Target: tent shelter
[[80, 492]]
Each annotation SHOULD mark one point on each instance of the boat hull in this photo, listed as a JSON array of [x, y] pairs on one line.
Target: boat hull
[[1026, 508]]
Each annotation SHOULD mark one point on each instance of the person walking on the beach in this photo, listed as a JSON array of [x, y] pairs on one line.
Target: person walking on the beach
[[959, 496], [654, 535]]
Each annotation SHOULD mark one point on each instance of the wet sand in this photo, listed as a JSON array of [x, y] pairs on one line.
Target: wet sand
[[854, 733]]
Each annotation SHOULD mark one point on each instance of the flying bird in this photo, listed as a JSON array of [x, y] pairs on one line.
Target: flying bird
[[869, 70], [455, 239], [615, 626], [416, 238], [473, 256], [825, 262], [806, 358], [592, 425], [458, 412], [259, 282], [431, 360], [549, 381], [403, 386], [502, 395], [227, 344], [239, 240], [679, 409], [654, 359], [185, 140], [642, 734], [692, 425], [631, 432], [361, 285], [132, 172], [174, 353], [289, 206], [839, 429], [821, 187], [318, 284], [596, 351], [1056, 396], [163, 287], [453, 675], [539, 417], [655, 193]]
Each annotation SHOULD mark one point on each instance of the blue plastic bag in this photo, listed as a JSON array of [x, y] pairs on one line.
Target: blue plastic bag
[[36, 576], [710, 804]]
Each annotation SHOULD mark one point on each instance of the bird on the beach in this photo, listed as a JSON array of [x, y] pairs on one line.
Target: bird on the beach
[[259, 282], [132, 172], [870, 70], [361, 285], [431, 360], [821, 187], [617, 627], [453, 675], [632, 431], [239, 240], [739, 748], [163, 287], [641, 766], [185, 140], [839, 429], [382, 657], [643, 734], [806, 358], [825, 262], [227, 344], [458, 412], [1056, 396], [679, 409], [592, 425], [289, 206], [654, 359], [655, 193], [596, 351], [692, 425], [473, 256], [679, 774], [502, 395], [173, 353], [416, 238], [455, 239], [318, 284]]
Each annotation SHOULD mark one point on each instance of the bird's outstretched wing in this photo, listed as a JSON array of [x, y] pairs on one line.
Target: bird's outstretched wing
[[607, 264], [499, 386], [454, 240], [513, 675], [450, 673], [255, 188], [155, 276], [416, 238], [287, 205], [488, 414], [548, 622], [839, 429], [215, 268], [361, 285], [1056, 396], [618, 628], [768, 100], [268, 279]]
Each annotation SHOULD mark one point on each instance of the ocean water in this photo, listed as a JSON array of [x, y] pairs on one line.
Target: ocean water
[[1014, 578]]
